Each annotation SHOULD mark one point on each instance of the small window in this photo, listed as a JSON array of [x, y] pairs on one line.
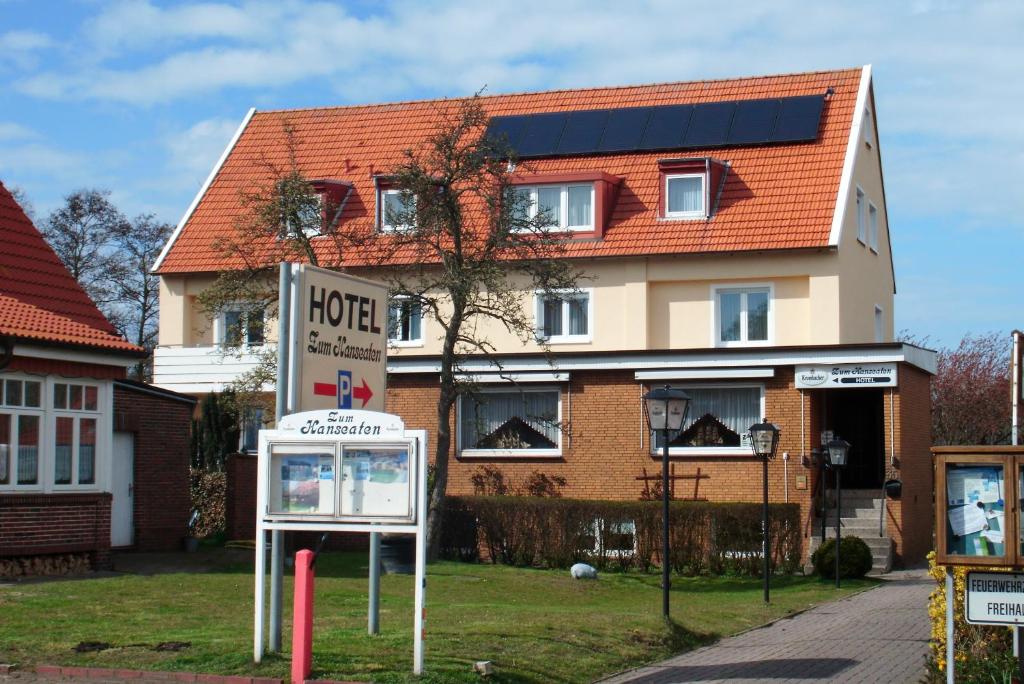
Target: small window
[[565, 207], [861, 218], [564, 317], [879, 325], [396, 210], [252, 421], [869, 128], [302, 212], [684, 196], [240, 326], [405, 322], [511, 422], [743, 316], [718, 420], [873, 226]]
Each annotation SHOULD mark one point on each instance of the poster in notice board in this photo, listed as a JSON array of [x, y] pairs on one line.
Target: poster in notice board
[[376, 482], [303, 483], [976, 509]]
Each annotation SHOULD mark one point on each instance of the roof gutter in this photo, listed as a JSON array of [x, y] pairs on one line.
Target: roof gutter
[[202, 191]]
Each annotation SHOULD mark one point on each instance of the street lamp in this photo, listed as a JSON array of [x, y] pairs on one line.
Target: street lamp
[[666, 411], [764, 440], [838, 449]]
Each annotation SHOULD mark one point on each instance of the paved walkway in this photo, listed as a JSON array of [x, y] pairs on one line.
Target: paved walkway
[[880, 635]]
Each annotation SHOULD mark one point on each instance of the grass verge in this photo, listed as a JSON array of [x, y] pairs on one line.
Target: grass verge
[[535, 625]]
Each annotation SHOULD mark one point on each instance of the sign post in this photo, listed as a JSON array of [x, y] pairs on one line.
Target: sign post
[[343, 471]]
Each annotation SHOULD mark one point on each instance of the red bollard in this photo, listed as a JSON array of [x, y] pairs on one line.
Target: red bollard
[[302, 618]]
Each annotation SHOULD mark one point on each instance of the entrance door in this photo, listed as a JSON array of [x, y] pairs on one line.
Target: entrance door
[[857, 415], [122, 525]]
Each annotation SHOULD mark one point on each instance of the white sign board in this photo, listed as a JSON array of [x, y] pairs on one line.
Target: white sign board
[[340, 341], [995, 598], [846, 376], [342, 466]]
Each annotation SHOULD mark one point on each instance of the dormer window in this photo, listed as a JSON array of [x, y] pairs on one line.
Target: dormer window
[[396, 210], [568, 208], [684, 195]]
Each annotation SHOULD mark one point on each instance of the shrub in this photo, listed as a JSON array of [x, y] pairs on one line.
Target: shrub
[[706, 538], [854, 558], [209, 497]]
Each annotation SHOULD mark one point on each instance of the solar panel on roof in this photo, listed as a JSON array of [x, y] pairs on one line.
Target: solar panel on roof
[[666, 127], [508, 129], [709, 124], [542, 134], [753, 122], [625, 129], [582, 132], [798, 119]]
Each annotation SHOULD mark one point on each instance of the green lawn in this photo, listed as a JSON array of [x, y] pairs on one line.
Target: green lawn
[[535, 625]]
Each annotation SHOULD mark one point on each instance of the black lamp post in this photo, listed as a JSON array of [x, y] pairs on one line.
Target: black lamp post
[[764, 440], [666, 411], [837, 452]]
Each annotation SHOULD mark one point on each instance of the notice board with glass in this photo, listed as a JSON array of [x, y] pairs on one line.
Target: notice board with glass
[[338, 481], [976, 509]]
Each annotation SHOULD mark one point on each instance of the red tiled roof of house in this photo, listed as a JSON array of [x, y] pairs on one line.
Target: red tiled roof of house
[[775, 197], [39, 300]]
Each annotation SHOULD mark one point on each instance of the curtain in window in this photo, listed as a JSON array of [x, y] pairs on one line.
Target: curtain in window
[[5, 448], [28, 449], [63, 443], [685, 195], [577, 315], [737, 408], [233, 328], [491, 418], [552, 316], [549, 201], [757, 315], [579, 206], [87, 451], [729, 313]]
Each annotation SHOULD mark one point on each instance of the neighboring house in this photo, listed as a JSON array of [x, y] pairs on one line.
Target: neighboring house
[[733, 232], [88, 459]]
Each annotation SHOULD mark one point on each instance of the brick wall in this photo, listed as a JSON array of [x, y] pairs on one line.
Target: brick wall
[[35, 524], [240, 499], [69, 369], [911, 518], [161, 500]]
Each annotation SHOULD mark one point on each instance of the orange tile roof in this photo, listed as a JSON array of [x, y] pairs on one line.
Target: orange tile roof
[[39, 300], [775, 196]]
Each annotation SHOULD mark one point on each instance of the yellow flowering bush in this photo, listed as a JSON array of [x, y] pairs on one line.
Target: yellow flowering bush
[[973, 644]]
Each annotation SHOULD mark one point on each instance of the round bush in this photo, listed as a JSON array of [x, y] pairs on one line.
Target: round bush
[[854, 558]]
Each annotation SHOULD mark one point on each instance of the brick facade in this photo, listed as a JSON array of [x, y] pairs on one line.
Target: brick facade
[[240, 497], [161, 498], [38, 524]]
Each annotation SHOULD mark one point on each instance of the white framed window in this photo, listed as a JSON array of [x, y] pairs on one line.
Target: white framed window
[[54, 433], [76, 416], [300, 214], [562, 317], [396, 209], [718, 420], [743, 315], [21, 426], [240, 326], [873, 227], [405, 322], [568, 208], [869, 128], [862, 230], [684, 195], [511, 422], [879, 324], [249, 435]]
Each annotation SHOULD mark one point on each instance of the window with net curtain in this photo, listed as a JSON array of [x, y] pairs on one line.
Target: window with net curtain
[[21, 413], [75, 434], [564, 315], [404, 320], [719, 418], [743, 315], [513, 420], [567, 207], [684, 196]]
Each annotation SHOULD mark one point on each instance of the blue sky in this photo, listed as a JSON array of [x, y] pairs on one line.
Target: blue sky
[[140, 97]]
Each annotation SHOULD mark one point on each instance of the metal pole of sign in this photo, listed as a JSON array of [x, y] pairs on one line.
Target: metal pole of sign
[[373, 621], [261, 576], [950, 653], [281, 400], [421, 557]]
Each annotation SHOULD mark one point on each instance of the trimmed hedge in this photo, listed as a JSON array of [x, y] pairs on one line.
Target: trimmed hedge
[[706, 538]]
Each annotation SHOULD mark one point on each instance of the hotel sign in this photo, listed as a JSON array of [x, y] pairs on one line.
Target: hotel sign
[[846, 376]]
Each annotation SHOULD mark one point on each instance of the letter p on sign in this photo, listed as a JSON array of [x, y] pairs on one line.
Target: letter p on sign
[[344, 389]]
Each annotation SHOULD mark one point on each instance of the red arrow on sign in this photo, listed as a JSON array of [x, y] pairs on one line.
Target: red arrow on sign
[[325, 389], [363, 393]]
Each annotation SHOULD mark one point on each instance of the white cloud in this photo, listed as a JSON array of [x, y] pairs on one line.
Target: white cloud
[[10, 130], [194, 151], [21, 48]]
